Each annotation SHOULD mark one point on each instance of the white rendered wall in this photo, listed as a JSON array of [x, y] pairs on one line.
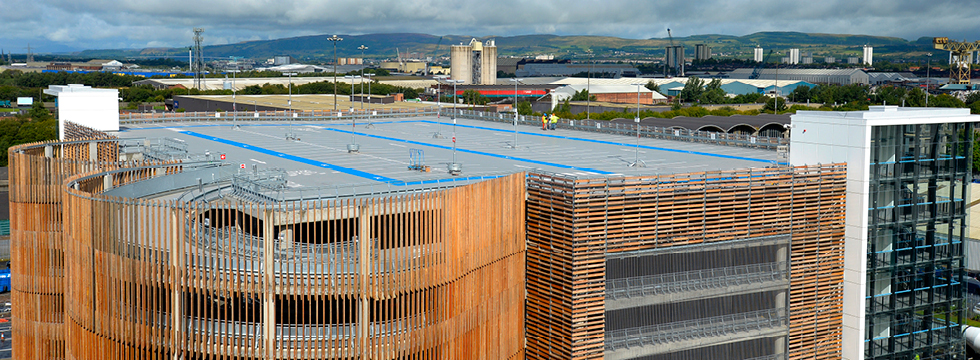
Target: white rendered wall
[[94, 108], [831, 137]]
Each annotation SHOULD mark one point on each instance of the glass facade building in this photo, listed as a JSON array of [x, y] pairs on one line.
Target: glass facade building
[[908, 178], [917, 221]]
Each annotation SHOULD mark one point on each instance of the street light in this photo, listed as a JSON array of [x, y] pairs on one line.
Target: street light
[[588, 87], [362, 48], [454, 167], [636, 156], [928, 79], [289, 102], [369, 80], [234, 96], [516, 81], [352, 78], [439, 79], [353, 147], [335, 39]]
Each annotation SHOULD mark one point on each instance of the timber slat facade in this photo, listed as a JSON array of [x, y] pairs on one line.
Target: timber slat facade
[[574, 223], [425, 275]]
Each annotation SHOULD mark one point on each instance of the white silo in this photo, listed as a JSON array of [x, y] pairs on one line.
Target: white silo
[[758, 55], [868, 54]]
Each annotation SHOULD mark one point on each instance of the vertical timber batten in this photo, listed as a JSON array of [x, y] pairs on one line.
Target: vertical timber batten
[[434, 275]]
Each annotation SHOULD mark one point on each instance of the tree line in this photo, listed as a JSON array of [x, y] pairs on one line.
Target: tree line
[[15, 83], [35, 126]]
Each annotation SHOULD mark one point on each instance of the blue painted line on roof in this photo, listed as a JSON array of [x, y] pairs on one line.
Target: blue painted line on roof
[[320, 164], [608, 142], [446, 180], [342, 169], [597, 171], [691, 152], [248, 123]]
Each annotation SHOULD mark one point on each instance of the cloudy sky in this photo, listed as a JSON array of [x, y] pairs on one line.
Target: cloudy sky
[[64, 25]]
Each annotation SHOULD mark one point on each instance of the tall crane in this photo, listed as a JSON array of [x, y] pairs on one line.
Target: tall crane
[[673, 48], [962, 52], [758, 68], [435, 58]]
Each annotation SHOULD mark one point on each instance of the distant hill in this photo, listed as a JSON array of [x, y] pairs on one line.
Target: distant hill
[[317, 48]]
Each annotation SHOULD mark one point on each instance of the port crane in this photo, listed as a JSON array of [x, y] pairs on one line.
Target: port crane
[[758, 68], [961, 56], [667, 56]]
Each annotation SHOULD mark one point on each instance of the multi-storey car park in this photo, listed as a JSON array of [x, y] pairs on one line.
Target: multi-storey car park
[[193, 236]]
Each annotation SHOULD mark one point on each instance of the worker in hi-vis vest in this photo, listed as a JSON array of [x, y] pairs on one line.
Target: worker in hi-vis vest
[[554, 121], [544, 121]]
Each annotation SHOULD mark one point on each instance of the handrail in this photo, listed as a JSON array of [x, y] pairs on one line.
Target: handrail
[[698, 328], [696, 280], [668, 133]]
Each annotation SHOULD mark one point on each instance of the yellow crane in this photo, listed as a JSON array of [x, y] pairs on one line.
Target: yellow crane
[[959, 69]]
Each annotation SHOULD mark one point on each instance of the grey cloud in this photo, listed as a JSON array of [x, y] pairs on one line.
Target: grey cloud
[[130, 23]]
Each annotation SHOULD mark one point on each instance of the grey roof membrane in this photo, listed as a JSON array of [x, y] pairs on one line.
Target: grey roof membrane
[[319, 157]]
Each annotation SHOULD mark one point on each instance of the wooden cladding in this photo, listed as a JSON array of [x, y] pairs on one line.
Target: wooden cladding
[[573, 223], [37, 174], [425, 275]]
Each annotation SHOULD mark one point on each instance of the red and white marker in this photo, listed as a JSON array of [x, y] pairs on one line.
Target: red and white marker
[[222, 156], [243, 166]]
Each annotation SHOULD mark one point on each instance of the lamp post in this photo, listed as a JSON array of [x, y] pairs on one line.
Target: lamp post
[[352, 78], [234, 96], [588, 87], [335, 39], [636, 157], [369, 90], [516, 81], [352, 147], [439, 79], [454, 167], [928, 79], [362, 48], [289, 101]]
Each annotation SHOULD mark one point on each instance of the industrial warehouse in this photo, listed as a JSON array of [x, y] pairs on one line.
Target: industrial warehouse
[[437, 233]]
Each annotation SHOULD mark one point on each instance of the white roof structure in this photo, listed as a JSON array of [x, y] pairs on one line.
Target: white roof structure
[[566, 92], [297, 68], [241, 83], [84, 105]]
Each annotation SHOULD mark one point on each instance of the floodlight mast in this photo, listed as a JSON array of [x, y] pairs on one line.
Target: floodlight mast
[[516, 81], [454, 167], [636, 152], [353, 119], [362, 48], [335, 39]]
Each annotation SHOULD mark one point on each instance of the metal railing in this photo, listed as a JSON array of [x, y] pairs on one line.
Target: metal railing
[[654, 132], [235, 333], [327, 258], [695, 329], [609, 127], [696, 280], [284, 115]]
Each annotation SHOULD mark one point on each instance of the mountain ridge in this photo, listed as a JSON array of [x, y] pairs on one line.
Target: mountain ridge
[[383, 45]]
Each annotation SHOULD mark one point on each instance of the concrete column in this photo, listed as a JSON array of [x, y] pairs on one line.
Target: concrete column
[[107, 182], [93, 151], [268, 273], [364, 268]]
